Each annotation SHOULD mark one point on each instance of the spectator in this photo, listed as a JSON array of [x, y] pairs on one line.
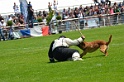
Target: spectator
[[49, 6], [59, 49], [86, 10], [91, 12], [39, 14], [55, 5], [3, 29], [14, 19], [111, 11], [44, 20], [21, 19], [30, 16], [80, 8], [1, 18], [35, 19], [76, 12], [108, 2], [122, 14], [67, 23], [16, 9], [69, 10], [17, 23], [80, 16], [44, 13], [29, 4], [63, 14], [120, 4], [117, 12], [103, 9], [103, 2], [115, 5], [9, 18], [96, 1], [72, 14]]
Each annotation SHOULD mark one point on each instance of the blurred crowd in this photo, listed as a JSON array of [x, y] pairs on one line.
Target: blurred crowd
[[101, 7], [98, 8]]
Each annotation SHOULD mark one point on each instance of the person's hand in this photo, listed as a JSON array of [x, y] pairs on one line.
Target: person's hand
[[83, 37]]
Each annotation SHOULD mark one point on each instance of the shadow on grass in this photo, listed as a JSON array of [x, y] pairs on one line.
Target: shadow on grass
[[93, 56], [56, 62], [82, 58]]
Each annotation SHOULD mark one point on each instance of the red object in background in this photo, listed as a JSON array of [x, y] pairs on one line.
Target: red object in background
[[45, 30]]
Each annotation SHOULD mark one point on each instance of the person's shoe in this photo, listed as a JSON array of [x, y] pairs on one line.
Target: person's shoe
[[80, 59], [77, 59]]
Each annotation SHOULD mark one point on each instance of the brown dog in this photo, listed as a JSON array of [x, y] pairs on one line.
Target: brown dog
[[93, 46]]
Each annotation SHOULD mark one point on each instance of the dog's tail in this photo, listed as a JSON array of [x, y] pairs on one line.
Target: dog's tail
[[110, 38]]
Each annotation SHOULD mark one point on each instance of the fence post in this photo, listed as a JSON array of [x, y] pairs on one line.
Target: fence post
[[84, 23], [117, 18], [79, 23], [104, 21]]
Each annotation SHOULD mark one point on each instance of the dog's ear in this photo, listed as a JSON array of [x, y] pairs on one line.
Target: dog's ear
[[79, 44], [82, 44]]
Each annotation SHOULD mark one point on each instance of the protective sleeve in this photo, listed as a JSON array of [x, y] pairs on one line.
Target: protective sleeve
[[50, 54], [74, 42]]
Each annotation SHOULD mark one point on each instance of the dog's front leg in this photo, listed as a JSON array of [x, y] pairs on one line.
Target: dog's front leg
[[106, 53], [84, 53]]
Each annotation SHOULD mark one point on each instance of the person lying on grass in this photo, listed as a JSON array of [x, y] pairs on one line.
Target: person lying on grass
[[59, 49]]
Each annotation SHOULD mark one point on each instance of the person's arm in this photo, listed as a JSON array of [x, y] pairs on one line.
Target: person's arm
[[32, 9], [50, 54], [75, 42]]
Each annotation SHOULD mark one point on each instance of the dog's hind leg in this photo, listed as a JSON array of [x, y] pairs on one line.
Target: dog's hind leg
[[103, 49], [106, 52]]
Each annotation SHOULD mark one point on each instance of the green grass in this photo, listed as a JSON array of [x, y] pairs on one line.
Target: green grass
[[26, 60]]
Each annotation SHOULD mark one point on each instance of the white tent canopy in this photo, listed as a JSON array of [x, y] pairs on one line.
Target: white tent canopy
[[6, 6]]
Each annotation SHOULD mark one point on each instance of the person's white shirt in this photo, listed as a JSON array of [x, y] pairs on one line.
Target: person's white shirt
[[10, 19], [80, 15], [16, 8], [2, 24], [54, 5], [44, 21]]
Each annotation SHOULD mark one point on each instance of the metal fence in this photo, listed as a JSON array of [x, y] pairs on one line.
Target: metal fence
[[86, 22]]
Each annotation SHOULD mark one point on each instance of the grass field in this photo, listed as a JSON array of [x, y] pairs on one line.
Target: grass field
[[26, 60]]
